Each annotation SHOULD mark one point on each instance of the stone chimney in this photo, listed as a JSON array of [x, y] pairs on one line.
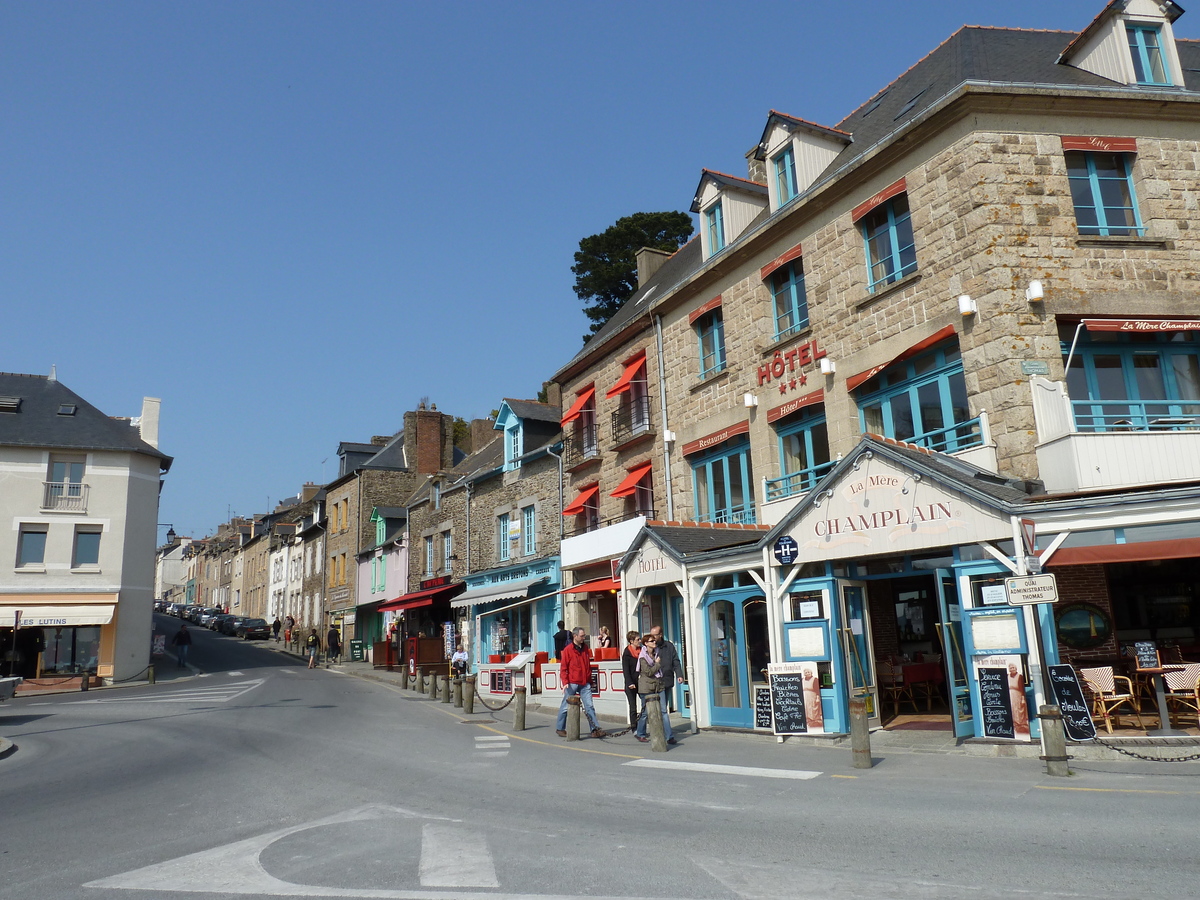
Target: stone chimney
[[308, 491], [553, 391], [483, 432], [756, 169], [649, 261], [428, 441], [380, 440], [149, 420]]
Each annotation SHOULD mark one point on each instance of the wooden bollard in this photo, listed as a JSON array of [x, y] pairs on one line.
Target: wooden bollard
[[654, 724], [433, 685], [458, 691], [860, 734], [573, 704], [420, 681], [445, 688], [1055, 738], [519, 709], [469, 694], [404, 678]]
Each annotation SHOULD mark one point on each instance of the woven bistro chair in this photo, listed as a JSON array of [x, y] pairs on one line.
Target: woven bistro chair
[[1183, 689], [891, 682], [1102, 684]]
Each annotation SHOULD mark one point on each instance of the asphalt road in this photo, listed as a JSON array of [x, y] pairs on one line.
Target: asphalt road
[[262, 778]]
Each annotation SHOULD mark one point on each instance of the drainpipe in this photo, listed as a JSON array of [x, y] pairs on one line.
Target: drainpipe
[[558, 456], [470, 485], [662, 399]]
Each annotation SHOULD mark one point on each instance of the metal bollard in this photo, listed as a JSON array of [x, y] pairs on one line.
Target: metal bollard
[[573, 704], [445, 688], [654, 724], [469, 694], [860, 734], [458, 691], [150, 674], [519, 709], [404, 678], [1055, 738]]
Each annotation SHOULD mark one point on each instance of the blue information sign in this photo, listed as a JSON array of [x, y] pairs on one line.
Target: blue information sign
[[786, 550]]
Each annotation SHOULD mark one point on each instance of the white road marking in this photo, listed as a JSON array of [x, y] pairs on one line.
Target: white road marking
[[235, 674], [287, 671], [493, 753], [452, 856], [499, 738], [750, 771], [214, 694]]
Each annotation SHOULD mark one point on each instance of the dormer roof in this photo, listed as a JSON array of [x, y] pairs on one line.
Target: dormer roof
[[724, 183], [792, 124]]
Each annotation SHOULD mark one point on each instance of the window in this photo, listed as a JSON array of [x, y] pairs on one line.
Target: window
[[1134, 382], [436, 493], [447, 550], [529, 530], [785, 175], [586, 431], [791, 304], [922, 400], [512, 445], [632, 416], [1102, 191], [710, 330], [641, 501], [803, 454], [65, 489], [31, 545], [723, 481], [66, 469], [1146, 50], [715, 224], [891, 252], [502, 536], [429, 555]]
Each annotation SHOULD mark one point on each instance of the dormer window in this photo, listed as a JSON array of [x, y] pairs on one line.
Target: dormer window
[[796, 152], [1145, 47], [436, 493], [714, 224], [1130, 42], [785, 175], [726, 205], [512, 445]]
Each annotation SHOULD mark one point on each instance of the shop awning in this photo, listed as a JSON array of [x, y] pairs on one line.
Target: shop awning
[[629, 485], [632, 367], [418, 599], [575, 507], [55, 616], [600, 584], [577, 407], [510, 590], [936, 338], [1142, 326], [1143, 551]]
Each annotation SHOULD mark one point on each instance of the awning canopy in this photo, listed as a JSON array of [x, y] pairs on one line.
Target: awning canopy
[[1141, 551], [55, 616], [629, 485], [577, 407], [936, 338], [510, 590], [575, 507], [632, 367], [600, 584], [426, 597]]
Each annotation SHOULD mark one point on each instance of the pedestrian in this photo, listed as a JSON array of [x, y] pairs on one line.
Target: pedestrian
[[333, 646], [275, 626], [289, 627], [604, 639], [672, 667], [182, 640], [575, 673], [458, 662], [629, 660], [650, 683], [562, 637], [313, 644]]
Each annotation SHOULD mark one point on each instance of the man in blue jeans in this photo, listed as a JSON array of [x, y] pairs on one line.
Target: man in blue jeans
[[575, 671], [182, 640]]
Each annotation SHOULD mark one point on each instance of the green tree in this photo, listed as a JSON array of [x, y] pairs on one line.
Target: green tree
[[605, 267]]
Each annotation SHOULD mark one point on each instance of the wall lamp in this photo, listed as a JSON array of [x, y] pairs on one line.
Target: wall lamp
[[1033, 292], [967, 305], [827, 366], [749, 400]]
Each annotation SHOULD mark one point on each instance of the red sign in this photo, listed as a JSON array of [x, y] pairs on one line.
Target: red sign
[[1142, 325], [1106, 144], [435, 582], [782, 366], [810, 399], [882, 197], [717, 437]]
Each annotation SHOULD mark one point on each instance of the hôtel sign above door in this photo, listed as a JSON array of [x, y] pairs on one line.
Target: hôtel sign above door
[[650, 567]]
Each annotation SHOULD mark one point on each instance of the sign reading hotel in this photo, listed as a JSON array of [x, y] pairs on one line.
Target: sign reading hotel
[[650, 567]]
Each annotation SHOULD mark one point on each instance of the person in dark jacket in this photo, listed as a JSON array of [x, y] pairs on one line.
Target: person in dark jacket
[[629, 661], [313, 645], [562, 637], [668, 656], [182, 640], [275, 626], [575, 672], [651, 681], [333, 646]]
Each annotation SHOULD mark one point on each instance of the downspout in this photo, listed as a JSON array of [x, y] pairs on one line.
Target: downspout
[[558, 456], [662, 399], [470, 485]]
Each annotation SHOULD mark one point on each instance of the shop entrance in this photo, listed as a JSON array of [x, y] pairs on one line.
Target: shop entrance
[[739, 650]]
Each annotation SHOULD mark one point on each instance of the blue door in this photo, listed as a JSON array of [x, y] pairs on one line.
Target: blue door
[[737, 657], [856, 646], [958, 675]]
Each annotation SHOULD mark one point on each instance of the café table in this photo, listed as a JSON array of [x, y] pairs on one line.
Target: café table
[[1160, 694], [928, 674]]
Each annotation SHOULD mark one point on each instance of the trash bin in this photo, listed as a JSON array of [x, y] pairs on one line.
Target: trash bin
[[358, 651]]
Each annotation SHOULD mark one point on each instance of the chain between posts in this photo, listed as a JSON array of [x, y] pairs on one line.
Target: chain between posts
[[1192, 758], [514, 697]]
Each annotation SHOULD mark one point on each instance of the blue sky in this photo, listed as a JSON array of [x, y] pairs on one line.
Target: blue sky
[[292, 221]]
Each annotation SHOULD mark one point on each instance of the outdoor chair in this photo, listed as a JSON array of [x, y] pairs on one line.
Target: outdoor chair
[[1108, 697], [1183, 689], [893, 686]]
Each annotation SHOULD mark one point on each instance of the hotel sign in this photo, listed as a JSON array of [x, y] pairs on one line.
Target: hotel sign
[[650, 567]]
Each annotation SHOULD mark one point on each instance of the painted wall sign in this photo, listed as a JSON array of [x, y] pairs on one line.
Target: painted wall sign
[[1104, 144], [1142, 325], [650, 567], [870, 203], [812, 398], [784, 365], [717, 437]]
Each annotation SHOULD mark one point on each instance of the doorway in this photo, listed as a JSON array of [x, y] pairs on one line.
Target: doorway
[[739, 650]]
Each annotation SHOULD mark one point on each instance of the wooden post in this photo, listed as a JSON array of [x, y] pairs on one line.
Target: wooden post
[[458, 691], [404, 678], [519, 711], [573, 704], [1054, 739], [469, 694], [860, 734], [654, 724], [445, 688]]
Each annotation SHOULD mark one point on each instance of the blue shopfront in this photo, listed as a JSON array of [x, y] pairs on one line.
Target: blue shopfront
[[510, 609]]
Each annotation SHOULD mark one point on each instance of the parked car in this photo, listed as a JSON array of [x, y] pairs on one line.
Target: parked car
[[254, 628], [214, 623], [206, 614], [230, 624]]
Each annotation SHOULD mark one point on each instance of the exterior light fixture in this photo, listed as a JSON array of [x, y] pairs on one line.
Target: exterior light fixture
[[750, 400], [967, 305], [1033, 292], [827, 366]]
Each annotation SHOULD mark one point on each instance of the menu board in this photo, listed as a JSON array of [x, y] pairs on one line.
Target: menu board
[[502, 681], [1146, 653], [762, 706], [787, 703], [994, 703], [995, 632], [1069, 695]]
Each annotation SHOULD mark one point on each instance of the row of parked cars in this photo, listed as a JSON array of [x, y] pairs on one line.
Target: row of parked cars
[[214, 619]]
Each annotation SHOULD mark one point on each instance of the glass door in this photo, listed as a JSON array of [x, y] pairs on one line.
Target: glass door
[[856, 645], [958, 680]]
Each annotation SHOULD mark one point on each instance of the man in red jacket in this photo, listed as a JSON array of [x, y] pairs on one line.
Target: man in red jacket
[[575, 671]]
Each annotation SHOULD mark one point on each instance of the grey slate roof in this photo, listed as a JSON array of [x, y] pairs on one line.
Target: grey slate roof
[[727, 182], [38, 424], [535, 411], [687, 540]]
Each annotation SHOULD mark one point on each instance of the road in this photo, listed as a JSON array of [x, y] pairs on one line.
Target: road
[[265, 779]]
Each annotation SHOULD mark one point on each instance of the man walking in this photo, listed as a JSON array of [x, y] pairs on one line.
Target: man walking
[[575, 672], [333, 646], [672, 671], [313, 645], [562, 637], [182, 640]]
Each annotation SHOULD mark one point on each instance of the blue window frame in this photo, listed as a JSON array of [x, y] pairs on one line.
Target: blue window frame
[[502, 536], [512, 446], [715, 222], [723, 484], [529, 530], [1134, 382], [1102, 191], [791, 303], [922, 400], [1145, 46], [710, 331], [891, 248], [803, 454], [785, 175]]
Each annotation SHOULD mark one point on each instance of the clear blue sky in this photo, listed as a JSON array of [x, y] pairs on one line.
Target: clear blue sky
[[291, 221]]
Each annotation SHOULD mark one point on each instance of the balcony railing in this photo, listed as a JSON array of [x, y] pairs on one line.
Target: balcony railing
[[953, 438], [584, 525], [631, 420], [64, 496], [1140, 415], [734, 515], [581, 446], [796, 482]]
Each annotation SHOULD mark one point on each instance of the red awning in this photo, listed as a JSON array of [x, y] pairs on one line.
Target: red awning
[[629, 485], [810, 399], [936, 338], [600, 584], [1183, 548], [577, 407], [1142, 326], [782, 260], [575, 507], [426, 597], [632, 367], [883, 196]]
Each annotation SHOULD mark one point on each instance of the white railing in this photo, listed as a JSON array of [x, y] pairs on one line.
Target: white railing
[[64, 496]]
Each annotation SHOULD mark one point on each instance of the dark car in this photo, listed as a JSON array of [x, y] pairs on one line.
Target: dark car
[[214, 624], [230, 623], [254, 628]]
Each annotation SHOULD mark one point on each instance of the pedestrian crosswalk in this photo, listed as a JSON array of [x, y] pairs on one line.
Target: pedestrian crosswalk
[[492, 745], [209, 693]]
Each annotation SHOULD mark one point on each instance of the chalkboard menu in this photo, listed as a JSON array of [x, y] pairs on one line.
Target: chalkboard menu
[[762, 706], [1146, 654], [595, 681], [787, 703], [1069, 695], [995, 704]]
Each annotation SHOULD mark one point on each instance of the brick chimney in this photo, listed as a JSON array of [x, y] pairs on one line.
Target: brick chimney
[[649, 261], [553, 393], [428, 441], [483, 432], [308, 491]]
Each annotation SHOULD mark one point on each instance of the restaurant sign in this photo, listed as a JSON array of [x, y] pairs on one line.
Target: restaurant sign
[[650, 567]]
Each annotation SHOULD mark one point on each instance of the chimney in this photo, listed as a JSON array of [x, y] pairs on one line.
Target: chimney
[[428, 441], [483, 432], [553, 393], [649, 261], [308, 491], [149, 421], [756, 168], [380, 440]]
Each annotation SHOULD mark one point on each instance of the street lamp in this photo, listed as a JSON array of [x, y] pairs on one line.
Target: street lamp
[[170, 531]]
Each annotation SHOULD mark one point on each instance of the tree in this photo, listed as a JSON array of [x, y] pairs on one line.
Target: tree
[[606, 265]]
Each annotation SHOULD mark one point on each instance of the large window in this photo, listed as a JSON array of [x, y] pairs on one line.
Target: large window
[[803, 454], [891, 251], [714, 222], [31, 545], [447, 550], [429, 554], [1124, 382], [922, 400], [785, 175], [87, 546], [1102, 191], [791, 304], [710, 330], [723, 481], [1145, 46]]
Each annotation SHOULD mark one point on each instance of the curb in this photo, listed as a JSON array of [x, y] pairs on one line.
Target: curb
[[7, 748]]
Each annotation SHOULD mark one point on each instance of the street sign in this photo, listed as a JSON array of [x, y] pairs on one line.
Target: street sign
[[1027, 589], [786, 550], [1029, 536]]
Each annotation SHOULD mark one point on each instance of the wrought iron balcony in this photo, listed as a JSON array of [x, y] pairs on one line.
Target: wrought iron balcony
[[64, 496], [581, 446], [631, 420]]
